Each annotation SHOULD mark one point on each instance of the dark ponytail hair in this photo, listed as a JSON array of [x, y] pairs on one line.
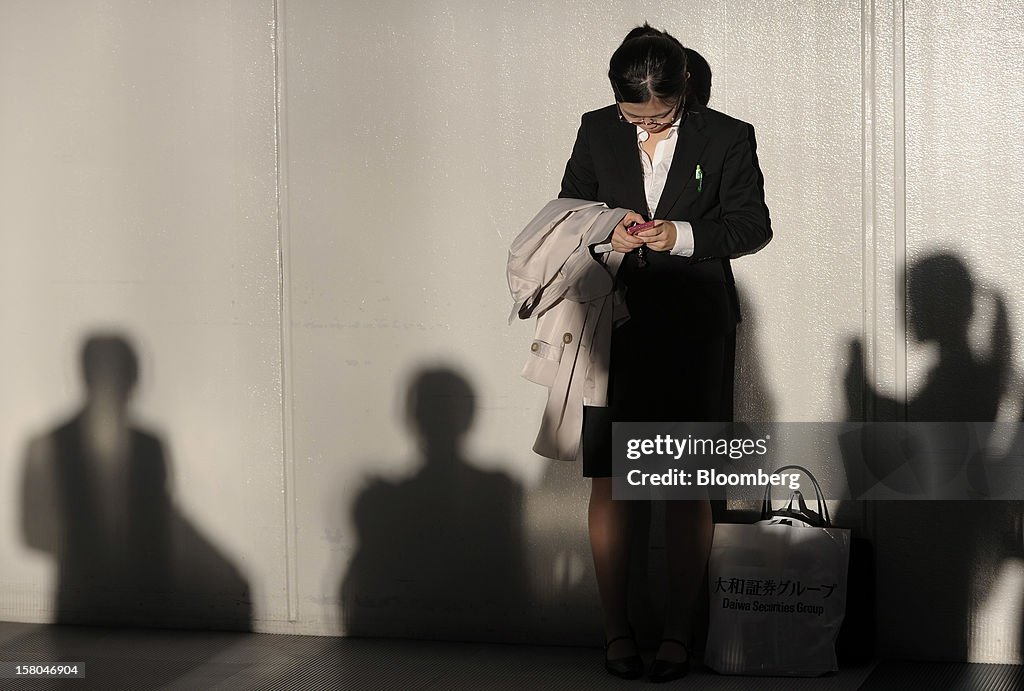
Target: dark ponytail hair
[[649, 64]]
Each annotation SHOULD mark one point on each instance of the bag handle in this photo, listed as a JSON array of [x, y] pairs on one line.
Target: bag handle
[[822, 506]]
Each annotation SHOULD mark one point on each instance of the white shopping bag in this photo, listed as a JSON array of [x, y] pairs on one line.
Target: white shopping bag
[[778, 593]]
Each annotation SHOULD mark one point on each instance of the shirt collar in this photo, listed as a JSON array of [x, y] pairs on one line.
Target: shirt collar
[[643, 135]]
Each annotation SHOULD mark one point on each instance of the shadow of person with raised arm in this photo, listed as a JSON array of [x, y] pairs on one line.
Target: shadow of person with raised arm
[[440, 555], [934, 556], [95, 495], [962, 386]]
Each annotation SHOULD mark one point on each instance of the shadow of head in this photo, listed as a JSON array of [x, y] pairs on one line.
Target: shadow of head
[[110, 368], [698, 85], [940, 298], [440, 405], [439, 553]]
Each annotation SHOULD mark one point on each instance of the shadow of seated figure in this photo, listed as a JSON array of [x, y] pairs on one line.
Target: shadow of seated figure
[[439, 554], [95, 496]]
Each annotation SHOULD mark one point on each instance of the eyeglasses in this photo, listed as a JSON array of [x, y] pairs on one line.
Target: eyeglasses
[[658, 123]]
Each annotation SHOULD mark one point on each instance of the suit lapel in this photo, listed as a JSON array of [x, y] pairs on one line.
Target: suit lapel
[[689, 146], [627, 154]]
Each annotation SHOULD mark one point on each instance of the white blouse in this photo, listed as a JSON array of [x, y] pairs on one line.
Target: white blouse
[[655, 175]]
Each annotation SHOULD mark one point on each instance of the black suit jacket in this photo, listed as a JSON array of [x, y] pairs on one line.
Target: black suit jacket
[[727, 213]]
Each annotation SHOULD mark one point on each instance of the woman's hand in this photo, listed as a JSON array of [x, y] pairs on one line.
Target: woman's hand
[[623, 241], [662, 237]]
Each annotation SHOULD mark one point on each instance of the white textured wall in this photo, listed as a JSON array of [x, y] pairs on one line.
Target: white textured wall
[[140, 179], [421, 139], [137, 179]]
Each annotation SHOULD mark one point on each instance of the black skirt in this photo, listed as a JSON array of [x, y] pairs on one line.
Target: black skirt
[[660, 373]]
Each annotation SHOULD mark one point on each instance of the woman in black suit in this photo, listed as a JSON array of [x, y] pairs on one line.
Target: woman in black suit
[[694, 171]]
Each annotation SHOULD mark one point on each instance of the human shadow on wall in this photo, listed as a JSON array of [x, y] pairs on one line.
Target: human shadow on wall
[[440, 554], [753, 400], [95, 496], [962, 386], [698, 86], [940, 555], [561, 567]]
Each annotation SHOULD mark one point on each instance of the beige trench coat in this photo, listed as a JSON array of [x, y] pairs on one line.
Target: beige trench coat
[[554, 277]]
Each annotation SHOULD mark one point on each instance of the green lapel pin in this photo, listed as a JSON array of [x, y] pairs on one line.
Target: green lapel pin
[[700, 178]]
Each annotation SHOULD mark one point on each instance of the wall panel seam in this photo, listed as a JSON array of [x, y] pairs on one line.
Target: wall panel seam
[[869, 231], [869, 246], [284, 301], [900, 204]]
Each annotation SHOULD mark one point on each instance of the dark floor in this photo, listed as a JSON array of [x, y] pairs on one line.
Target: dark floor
[[148, 659]]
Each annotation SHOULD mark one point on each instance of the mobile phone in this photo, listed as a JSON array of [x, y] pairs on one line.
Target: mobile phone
[[637, 227]]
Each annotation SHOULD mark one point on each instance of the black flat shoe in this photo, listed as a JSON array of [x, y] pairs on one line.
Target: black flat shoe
[[629, 667], [663, 670]]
